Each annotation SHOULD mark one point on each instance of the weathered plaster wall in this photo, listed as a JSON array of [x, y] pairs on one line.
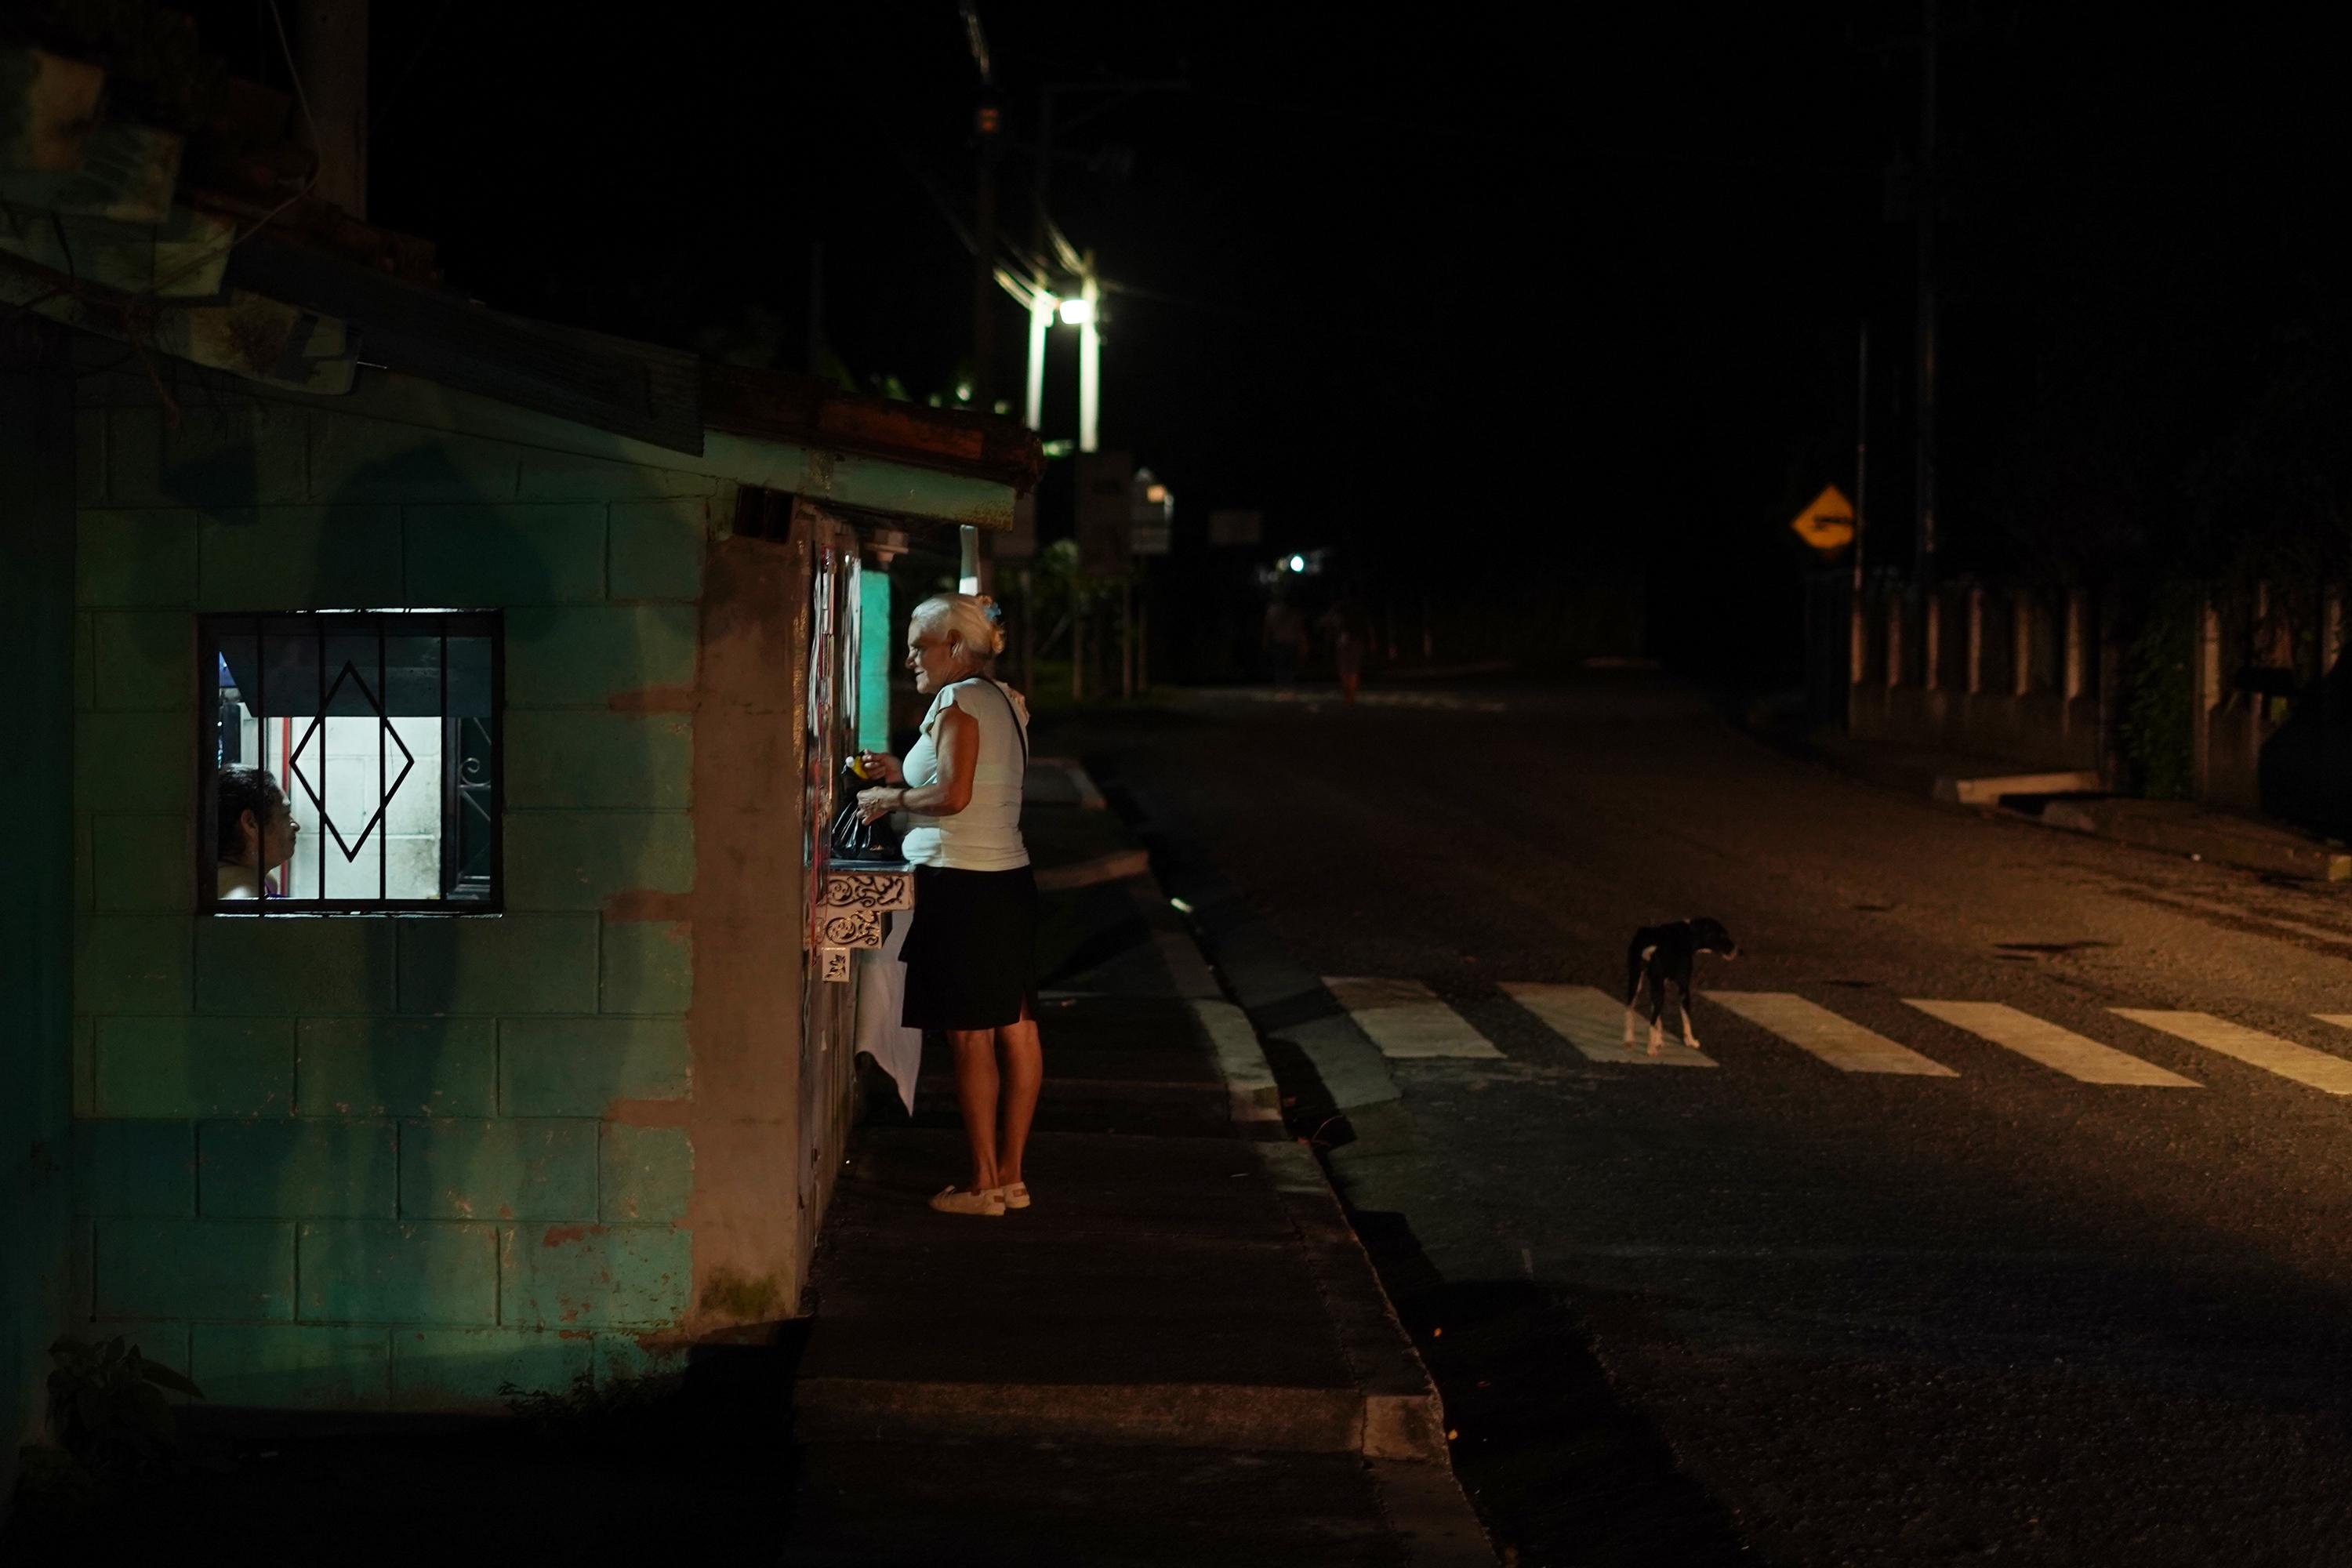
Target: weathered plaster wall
[[376, 1161], [36, 868]]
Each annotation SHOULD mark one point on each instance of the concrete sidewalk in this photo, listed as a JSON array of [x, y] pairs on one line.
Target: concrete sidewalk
[[1180, 1354], [2073, 801]]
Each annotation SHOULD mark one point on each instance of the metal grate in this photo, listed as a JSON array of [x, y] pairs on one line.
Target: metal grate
[[351, 714]]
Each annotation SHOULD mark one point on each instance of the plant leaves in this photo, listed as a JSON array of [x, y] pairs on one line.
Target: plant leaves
[[156, 1372]]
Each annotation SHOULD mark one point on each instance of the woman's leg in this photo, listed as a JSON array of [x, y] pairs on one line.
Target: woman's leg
[[1023, 1056], [975, 1070]]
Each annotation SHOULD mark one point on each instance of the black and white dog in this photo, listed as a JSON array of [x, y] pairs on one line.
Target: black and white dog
[[1662, 956]]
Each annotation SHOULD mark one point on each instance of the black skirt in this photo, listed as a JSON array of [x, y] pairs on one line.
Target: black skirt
[[970, 953]]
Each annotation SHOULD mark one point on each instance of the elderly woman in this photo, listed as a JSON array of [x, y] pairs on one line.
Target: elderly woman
[[969, 952]]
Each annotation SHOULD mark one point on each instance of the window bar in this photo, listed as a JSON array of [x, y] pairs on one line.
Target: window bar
[[494, 737], [322, 759], [452, 823], [383, 802], [261, 753]]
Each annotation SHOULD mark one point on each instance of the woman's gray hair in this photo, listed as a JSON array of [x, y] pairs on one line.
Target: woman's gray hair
[[968, 619]]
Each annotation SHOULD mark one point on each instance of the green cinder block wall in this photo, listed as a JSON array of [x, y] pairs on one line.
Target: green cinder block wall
[[371, 1162]]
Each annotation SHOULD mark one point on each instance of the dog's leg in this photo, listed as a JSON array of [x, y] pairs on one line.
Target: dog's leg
[[1657, 1009], [1632, 996], [1689, 1039]]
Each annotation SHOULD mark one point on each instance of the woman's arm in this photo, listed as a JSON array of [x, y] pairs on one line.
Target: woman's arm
[[956, 734]]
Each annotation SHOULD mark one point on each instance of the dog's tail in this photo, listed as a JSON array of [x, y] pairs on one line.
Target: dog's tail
[[1636, 962]]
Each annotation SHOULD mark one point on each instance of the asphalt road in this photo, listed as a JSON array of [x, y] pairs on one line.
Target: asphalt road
[[1874, 1318]]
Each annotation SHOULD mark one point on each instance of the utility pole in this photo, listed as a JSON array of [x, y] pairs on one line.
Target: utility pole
[[1860, 458], [1926, 198], [985, 120], [331, 51]]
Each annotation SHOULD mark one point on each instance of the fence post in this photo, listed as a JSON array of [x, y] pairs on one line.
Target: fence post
[[2110, 691], [2331, 649], [1931, 638], [2070, 674], [1975, 640], [2023, 611], [1894, 641], [2205, 684]]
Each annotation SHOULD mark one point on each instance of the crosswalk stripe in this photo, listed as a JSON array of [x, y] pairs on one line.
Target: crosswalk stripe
[[1406, 1020], [2331, 1075], [1594, 1023], [1841, 1042], [2063, 1050]]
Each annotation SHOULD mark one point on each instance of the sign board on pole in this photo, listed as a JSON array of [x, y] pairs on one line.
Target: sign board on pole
[[1103, 509], [1827, 524], [1018, 543], [1235, 527], [1151, 514]]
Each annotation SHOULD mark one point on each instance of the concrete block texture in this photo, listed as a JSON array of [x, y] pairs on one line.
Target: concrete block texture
[[142, 864], [589, 761], [657, 549], [396, 1067], [577, 859], [199, 1270], [299, 558], [579, 1275], [225, 454], [644, 1174], [132, 963], [136, 558], [135, 1168], [260, 965], [584, 656], [479, 557], [568, 475], [144, 660], [380, 1271], [647, 967], [458, 1369], [291, 1366], [184, 1067], [519, 963], [359, 459], [134, 762], [296, 1167], [498, 1169], [578, 1067]]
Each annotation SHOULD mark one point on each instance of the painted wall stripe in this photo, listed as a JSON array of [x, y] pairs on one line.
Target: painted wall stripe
[[2060, 1049], [1594, 1022], [1406, 1020], [2328, 1074], [1841, 1042]]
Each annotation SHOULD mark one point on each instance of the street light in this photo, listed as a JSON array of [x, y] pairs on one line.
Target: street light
[[1077, 312]]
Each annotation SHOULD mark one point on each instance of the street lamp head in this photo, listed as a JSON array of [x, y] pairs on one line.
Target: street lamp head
[[1077, 312]]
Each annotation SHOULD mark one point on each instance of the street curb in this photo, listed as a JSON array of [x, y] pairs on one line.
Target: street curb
[[2214, 838], [1116, 866], [1158, 1414], [1400, 1425]]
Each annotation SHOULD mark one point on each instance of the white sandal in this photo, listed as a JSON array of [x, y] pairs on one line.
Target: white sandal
[[1016, 1195], [956, 1200]]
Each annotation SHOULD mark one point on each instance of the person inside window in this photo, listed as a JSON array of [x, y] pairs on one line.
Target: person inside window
[[256, 831]]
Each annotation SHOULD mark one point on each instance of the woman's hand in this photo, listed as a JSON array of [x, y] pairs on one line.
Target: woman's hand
[[882, 767], [873, 804]]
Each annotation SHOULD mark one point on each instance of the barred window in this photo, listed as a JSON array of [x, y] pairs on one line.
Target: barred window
[[350, 762]]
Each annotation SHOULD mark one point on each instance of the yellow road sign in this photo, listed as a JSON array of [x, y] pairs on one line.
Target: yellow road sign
[[1827, 524]]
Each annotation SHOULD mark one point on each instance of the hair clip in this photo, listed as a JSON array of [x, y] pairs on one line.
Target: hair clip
[[993, 611]]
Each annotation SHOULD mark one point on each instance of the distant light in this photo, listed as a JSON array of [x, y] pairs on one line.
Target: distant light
[[1296, 564], [964, 392], [1060, 448], [1077, 312], [1156, 495], [1181, 904]]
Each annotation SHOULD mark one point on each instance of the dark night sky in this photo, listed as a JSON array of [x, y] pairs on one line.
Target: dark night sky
[[1471, 288]]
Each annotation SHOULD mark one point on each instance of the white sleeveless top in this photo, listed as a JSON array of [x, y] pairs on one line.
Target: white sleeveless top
[[985, 835]]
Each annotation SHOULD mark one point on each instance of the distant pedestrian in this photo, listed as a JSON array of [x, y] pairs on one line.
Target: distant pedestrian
[[970, 953], [1350, 629], [253, 833], [1284, 638]]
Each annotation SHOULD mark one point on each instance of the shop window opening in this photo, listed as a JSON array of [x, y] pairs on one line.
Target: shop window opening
[[350, 762]]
